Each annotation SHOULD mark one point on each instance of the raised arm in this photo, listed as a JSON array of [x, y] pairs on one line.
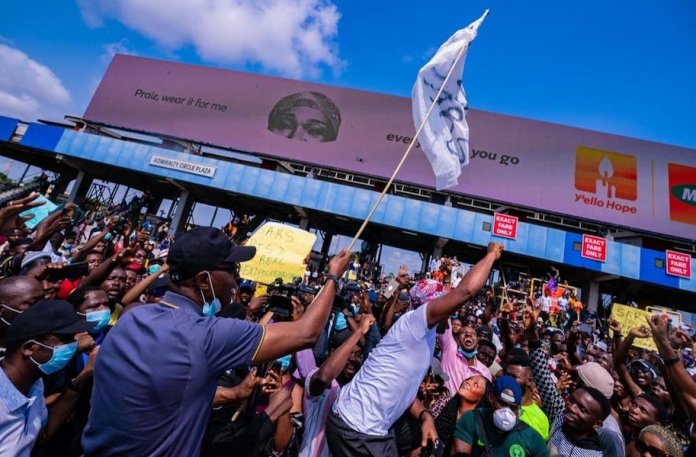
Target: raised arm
[[47, 227], [333, 366], [287, 337], [387, 314], [469, 286], [685, 385], [99, 274], [621, 357], [572, 344], [554, 405], [140, 288], [89, 245], [490, 306]]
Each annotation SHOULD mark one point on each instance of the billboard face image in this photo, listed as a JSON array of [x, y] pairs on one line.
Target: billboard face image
[[514, 161]]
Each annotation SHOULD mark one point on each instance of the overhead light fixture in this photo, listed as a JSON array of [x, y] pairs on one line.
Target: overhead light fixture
[[409, 233]]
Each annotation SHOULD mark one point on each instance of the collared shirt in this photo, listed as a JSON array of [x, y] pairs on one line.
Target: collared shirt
[[21, 418], [456, 365], [156, 375], [388, 381]]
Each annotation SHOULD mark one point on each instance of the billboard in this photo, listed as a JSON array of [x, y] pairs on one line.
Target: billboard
[[553, 168]]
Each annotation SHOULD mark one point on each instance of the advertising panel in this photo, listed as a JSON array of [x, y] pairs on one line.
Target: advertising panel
[[585, 174]]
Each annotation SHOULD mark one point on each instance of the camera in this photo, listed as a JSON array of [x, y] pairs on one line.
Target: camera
[[279, 299], [121, 225]]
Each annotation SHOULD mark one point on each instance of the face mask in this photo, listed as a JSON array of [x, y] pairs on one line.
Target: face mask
[[213, 307], [285, 362], [108, 236], [152, 269], [101, 317], [467, 354], [16, 311], [67, 246], [504, 419], [61, 356]]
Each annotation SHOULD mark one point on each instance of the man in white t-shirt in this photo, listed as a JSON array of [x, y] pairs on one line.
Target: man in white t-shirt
[[386, 386], [544, 302]]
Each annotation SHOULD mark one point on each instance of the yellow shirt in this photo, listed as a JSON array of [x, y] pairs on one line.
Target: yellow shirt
[[533, 416]]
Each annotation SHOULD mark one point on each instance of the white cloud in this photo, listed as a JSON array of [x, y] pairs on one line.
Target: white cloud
[[111, 49], [292, 37], [29, 89]]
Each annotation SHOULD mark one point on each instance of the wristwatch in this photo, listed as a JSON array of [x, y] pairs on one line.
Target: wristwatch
[[334, 278], [672, 361]]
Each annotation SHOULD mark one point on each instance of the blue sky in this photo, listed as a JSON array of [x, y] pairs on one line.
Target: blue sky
[[625, 67]]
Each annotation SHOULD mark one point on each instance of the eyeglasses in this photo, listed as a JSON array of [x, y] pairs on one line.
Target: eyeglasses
[[641, 447]]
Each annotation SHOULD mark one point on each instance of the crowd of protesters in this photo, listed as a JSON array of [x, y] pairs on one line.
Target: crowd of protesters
[[117, 340]]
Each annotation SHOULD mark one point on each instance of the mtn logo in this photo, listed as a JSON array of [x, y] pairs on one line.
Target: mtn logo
[[682, 193], [685, 193]]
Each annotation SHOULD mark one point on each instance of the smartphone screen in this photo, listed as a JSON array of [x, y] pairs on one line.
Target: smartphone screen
[[391, 288], [72, 271]]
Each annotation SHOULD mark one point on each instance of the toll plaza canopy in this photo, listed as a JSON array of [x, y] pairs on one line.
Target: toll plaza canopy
[[610, 208]]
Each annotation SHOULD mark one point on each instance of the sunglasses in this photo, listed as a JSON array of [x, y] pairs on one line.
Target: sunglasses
[[642, 447]]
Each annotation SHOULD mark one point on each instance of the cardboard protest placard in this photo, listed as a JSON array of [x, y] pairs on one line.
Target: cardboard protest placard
[[280, 253], [630, 318]]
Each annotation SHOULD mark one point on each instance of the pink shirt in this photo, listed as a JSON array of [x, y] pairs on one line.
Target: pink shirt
[[456, 366]]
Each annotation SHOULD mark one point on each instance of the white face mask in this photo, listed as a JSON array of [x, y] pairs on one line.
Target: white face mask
[[504, 419], [16, 311]]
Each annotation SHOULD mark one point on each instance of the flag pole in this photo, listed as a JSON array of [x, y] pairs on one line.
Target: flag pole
[[408, 149]]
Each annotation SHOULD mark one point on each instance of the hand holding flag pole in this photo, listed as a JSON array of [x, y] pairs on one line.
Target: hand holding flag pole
[[446, 154]]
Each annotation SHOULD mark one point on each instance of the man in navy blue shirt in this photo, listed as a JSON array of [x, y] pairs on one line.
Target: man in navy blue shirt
[[157, 370]]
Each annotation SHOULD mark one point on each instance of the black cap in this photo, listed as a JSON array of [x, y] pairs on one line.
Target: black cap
[[201, 249], [47, 317], [485, 331], [160, 283]]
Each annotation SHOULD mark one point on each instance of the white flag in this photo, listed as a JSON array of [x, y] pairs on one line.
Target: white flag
[[445, 135]]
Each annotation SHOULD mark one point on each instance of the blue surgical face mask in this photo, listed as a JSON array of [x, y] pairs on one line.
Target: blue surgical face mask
[[210, 308], [152, 269], [101, 317], [467, 354], [285, 362], [62, 354]]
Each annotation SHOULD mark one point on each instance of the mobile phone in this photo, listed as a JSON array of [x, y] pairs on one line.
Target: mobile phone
[[68, 212], [72, 271], [434, 449], [391, 288], [585, 328]]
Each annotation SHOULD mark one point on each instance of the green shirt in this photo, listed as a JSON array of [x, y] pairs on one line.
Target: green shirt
[[533, 416], [521, 441]]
